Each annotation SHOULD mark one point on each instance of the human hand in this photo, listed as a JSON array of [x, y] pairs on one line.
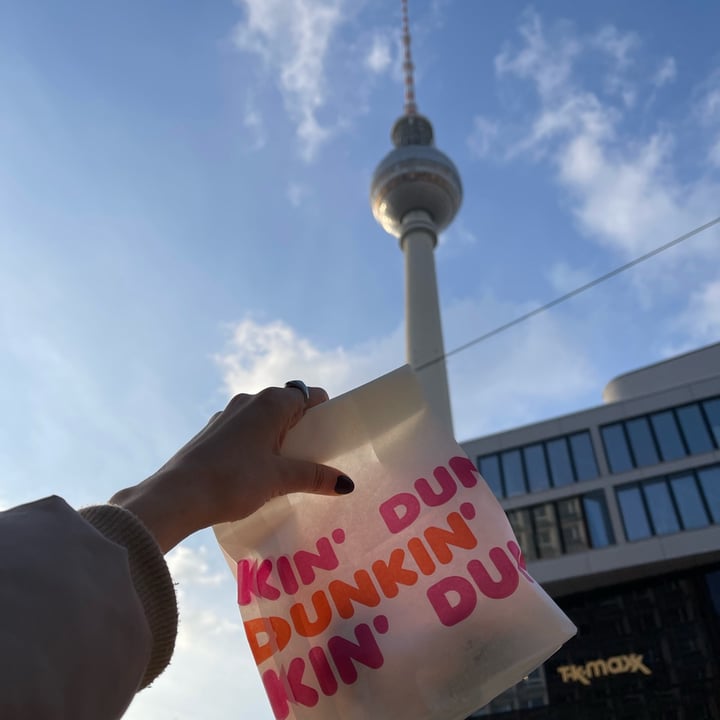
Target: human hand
[[231, 468]]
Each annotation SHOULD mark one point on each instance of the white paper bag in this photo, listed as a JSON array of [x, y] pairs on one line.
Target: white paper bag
[[407, 599]]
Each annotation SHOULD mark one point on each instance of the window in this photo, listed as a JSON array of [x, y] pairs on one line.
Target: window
[[713, 583], [712, 412], [569, 525], [522, 527], [641, 441], [540, 466], [688, 500], [489, 468], [560, 467], [663, 436], [710, 482], [694, 429], [583, 456], [536, 467], [635, 518], [668, 435], [598, 522], [685, 501], [547, 535], [616, 448], [513, 474], [661, 508], [572, 525]]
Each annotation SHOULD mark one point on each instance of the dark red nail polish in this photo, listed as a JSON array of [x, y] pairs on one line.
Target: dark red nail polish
[[344, 485]]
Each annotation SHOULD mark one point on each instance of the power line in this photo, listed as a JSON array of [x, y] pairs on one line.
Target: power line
[[571, 294]]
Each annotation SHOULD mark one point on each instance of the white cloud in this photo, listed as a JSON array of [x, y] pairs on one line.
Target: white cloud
[[539, 369], [619, 46], [702, 318], [714, 154], [190, 566], [212, 664], [536, 370], [563, 278], [622, 188], [709, 106], [297, 193], [293, 37], [549, 64], [666, 73], [455, 240], [379, 57], [707, 111], [253, 121], [483, 136], [265, 354]]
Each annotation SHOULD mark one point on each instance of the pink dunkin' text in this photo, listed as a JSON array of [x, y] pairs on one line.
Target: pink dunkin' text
[[453, 598]]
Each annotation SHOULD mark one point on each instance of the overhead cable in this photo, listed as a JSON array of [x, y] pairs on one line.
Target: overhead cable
[[571, 294]]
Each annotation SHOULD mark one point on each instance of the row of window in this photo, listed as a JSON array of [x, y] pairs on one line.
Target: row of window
[[664, 505], [662, 436], [552, 463], [565, 526]]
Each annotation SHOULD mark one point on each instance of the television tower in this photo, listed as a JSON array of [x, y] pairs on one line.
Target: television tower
[[415, 194]]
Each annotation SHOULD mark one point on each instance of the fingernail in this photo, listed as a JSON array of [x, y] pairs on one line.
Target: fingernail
[[344, 485]]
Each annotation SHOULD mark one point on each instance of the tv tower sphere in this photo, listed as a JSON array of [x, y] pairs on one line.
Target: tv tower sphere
[[414, 176]]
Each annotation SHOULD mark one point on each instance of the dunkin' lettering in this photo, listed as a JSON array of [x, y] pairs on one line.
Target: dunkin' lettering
[[495, 574], [291, 685]]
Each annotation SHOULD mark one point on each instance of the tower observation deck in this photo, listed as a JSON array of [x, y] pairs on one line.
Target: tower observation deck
[[415, 194]]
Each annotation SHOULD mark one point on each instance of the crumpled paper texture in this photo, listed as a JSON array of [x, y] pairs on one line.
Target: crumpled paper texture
[[407, 599]]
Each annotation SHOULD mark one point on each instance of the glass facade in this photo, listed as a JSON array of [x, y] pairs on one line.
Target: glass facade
[[684, 501], [539, 466], [647, 650], [662, 436], [570, 525], [669, 623]]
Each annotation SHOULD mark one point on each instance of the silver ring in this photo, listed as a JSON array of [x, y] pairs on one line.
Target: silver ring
[[299, 385]]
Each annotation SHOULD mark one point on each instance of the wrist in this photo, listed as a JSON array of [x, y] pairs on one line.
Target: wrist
[[163, 503]]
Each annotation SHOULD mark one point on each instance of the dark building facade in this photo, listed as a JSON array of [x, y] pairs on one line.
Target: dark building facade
[[617, 509]]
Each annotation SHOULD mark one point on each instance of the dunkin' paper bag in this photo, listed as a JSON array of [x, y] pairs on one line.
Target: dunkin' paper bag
[[408, 599]]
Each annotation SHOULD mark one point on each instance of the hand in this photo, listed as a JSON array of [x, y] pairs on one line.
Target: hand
[[231, 468]]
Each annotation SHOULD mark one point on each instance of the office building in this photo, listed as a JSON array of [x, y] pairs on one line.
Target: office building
[[617, 509]]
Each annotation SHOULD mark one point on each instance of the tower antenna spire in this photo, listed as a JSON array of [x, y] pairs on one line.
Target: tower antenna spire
[[408, 67]]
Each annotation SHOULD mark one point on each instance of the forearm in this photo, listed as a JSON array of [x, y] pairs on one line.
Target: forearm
[[79, 638]]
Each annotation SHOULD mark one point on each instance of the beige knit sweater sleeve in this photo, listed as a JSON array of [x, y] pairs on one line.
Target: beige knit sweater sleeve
[[87, 611]]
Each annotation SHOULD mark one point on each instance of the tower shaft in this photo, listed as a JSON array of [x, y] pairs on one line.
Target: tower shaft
[[423, 326]]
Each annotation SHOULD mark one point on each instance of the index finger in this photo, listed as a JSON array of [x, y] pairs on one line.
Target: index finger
[[317, 395]]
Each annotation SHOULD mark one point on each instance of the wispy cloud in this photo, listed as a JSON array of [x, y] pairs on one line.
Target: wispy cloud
[[191, 566], [666, 73], [296, 193], [622, 186], [379, 56], [293, 37], [519, 374], [483, 136], [265, 354], [212, 660], [255, 125], [707, 110]]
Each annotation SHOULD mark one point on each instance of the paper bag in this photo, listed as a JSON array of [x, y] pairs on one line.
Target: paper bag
[[409, 598]]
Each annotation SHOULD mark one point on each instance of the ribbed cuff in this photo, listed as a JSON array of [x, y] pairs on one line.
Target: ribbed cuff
[[150, 575]]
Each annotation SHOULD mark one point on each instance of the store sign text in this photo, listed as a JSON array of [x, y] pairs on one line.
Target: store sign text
[[596, 668]]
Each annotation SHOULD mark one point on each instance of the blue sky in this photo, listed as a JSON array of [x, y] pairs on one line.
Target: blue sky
[[184, 213]]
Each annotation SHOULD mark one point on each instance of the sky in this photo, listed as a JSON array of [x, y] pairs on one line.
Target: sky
[[184, 215]]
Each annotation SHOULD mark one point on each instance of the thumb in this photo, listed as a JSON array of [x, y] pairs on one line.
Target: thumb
[[310, 477]]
